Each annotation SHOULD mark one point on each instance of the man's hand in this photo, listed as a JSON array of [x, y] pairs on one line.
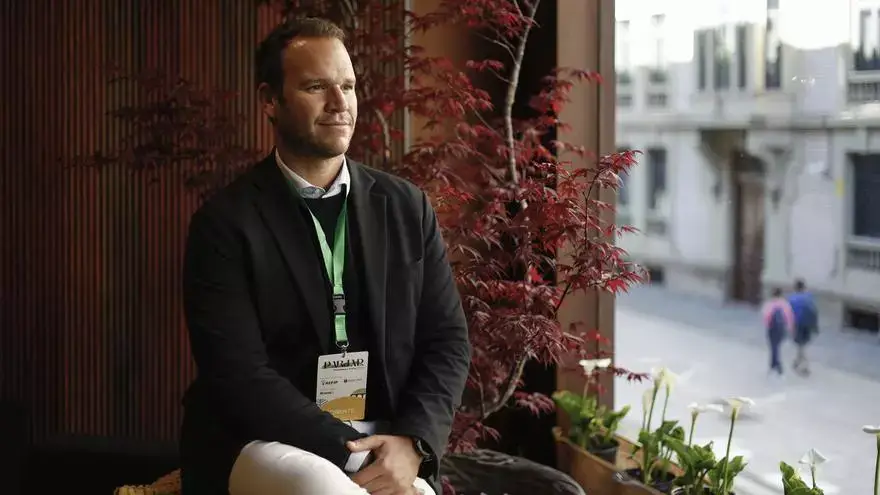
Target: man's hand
[[394, 468]]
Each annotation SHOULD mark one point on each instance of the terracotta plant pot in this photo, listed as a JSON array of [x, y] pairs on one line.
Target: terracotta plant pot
[[706, 491], [592, 471], [629, 482]]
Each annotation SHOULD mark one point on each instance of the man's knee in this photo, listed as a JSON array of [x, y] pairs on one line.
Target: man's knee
[[272, 468]]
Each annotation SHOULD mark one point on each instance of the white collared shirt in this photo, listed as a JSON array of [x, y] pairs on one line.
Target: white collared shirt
[[310, 191]]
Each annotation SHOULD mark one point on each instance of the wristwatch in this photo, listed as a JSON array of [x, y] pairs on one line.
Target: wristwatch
[[421, 448]]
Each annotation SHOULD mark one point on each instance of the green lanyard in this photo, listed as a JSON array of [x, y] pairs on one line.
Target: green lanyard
[[334, 263]]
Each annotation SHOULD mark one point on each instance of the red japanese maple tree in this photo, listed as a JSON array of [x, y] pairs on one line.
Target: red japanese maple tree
[[524, 226], [508, 199]]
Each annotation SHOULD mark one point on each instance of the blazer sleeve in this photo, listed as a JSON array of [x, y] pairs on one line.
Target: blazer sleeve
[[228, 349], [441, 363]]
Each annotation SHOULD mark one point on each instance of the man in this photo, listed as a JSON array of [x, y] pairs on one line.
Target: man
[[806, 324], [311, 260]]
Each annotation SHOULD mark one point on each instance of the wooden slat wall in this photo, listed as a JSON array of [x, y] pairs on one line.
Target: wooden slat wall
[[92, 339]]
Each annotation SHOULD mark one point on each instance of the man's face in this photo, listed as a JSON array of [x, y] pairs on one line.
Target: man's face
[[316, 116]]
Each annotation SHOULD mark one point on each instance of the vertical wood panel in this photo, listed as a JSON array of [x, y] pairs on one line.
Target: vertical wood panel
[[586, 41], [92, 338]]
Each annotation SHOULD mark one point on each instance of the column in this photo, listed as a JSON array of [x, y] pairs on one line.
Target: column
[[777, 221], [586, 40]]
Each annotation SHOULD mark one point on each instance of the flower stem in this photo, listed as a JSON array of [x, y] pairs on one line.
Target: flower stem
[[877, 469], [693, 425], [724, 488], [665, 403], [646, 470], [651, 412], [586, 386], [813, 474]]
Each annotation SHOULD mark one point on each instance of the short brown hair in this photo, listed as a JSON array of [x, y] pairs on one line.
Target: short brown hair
[[268, 59]]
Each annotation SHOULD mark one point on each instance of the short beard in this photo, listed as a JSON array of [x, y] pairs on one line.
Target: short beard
[[303, 146]]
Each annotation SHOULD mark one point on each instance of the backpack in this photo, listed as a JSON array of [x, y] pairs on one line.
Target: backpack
[[777, 322]]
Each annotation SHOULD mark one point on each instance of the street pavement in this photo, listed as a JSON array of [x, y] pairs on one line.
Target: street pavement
[[719, 351]]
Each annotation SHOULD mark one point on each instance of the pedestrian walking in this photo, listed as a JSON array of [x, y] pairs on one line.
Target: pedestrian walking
[[806, 318], [779, 321]]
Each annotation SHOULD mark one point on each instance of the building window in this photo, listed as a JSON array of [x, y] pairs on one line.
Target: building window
[[866, 196], [657, 100], [773, 49], [867, 54], [623, 193], [623, 190], [742, 66], [656, 178], [623, 187], [622, 53], [722, 54], [657, 73], [702, 55]]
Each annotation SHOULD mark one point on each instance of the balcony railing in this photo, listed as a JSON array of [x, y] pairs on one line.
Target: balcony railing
[[657, 100], [863, 255], [863, 85], [863, 63]]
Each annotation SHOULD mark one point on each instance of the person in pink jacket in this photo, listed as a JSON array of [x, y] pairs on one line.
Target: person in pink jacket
[[778, 321]]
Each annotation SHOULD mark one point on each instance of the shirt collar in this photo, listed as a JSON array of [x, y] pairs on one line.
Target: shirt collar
[[311, 191]]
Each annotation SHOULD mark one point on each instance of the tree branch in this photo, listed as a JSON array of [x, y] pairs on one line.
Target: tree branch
[[386, 132], [498, 42], [512, 172], [509, 389]]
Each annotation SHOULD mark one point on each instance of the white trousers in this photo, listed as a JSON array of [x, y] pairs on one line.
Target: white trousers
[[273, 468]]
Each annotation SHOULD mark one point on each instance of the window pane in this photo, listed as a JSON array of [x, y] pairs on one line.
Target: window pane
[[722, 51], [702, 54], [866, 196], [657, 177], [741, 64], [773, 53]]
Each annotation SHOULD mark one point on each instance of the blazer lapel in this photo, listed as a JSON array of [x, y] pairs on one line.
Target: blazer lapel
[[369, 212], [279, 206]]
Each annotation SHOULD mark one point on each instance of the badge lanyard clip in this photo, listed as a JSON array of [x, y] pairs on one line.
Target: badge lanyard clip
[[334, 263]]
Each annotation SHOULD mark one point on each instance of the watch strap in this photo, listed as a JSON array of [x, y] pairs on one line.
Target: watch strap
[[421, 449]]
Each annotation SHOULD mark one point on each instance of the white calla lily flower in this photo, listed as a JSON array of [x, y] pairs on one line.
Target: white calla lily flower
[[701, 408], [670, 381], [647, 396], [591, 365], [871, 430], [737, 403], [664, 378], [813, 458], [657, 374]]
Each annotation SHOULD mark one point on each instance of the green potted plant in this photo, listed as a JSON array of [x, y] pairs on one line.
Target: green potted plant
[[697, 461], [593, 425], [793, 484], [590, 443], [703, 474], [654, 471]]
